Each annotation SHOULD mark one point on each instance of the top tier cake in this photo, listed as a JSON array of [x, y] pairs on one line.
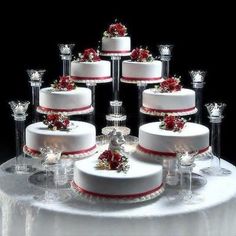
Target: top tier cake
[[115, 40]]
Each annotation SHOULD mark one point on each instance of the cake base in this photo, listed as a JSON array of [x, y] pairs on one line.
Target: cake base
[[37, 155], [154, 112], [141, 81], [81, 111], [116, 199]]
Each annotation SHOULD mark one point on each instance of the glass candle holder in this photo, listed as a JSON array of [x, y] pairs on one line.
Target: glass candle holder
[[35, 79], [66, 56], [19, 109], [215, 111], [198, 77], [165, 56]]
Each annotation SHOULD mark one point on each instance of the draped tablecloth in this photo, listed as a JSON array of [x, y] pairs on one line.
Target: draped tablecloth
[[215, 215]]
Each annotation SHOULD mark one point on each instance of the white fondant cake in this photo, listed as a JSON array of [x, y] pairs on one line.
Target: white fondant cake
[[78, 99], [79, 140], [138, 71], [98, 70], [178, 101], [156, 141], [116, 44], [142, 179]]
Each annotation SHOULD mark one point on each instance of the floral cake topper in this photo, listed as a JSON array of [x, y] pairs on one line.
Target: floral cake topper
[[115, 30], [89, 55], [169, 85], [112, 160], [63, 84], [57, 121], [141, 55], [173, 123]]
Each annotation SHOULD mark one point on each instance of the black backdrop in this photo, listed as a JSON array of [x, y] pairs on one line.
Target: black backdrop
[[202, 37]]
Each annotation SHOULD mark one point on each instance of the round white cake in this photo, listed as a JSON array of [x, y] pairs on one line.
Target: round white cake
[[156, 141], [76, 100], [78, 141], [98, 70], [116, 44], [138, 71], [174, 102], [142, 180]]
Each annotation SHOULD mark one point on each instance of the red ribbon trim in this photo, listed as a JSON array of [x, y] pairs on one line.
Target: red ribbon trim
[[115, 195], [31, 150], [163, 110], [120, 51], [141, 79], [90, 78], [63, 110], [168, 154]]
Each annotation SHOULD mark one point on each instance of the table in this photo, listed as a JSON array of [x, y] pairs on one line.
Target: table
[[214, 216]]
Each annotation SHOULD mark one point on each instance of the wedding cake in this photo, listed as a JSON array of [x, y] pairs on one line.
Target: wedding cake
[[115, 39], [168, 97], [172, 135], [73, 138], [142, 181], [89, 67], [141, 67], [64, 96]]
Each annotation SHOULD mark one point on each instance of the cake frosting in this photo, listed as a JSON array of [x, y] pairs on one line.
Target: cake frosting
[[76, 100], [116, 44], [139, 71], [115, 39], [155, 140], [178, 101], [78, 140], [141, 179]]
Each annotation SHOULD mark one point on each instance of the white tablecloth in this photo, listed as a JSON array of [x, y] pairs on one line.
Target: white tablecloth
[[215, 215]]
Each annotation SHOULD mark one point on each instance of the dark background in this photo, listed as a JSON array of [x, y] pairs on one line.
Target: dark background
[[202, 36]]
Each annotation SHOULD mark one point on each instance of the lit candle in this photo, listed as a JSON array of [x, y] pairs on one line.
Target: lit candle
[[198, 78], [65, 49], [215, 111], [35, 76], [186, 159], [165, 51], [51, 158], [20, 109]]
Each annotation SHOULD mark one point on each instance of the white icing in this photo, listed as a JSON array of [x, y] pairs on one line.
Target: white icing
[[73, 99], [193, 137], [116, 44], [91, 69], [81, 136], [183, 99], [140, 178], [144, 70]]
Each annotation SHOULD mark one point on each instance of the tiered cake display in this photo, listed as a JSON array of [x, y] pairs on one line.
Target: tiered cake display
[[113, 172]]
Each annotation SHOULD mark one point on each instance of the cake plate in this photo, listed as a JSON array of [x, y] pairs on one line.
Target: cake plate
[[154, 112]]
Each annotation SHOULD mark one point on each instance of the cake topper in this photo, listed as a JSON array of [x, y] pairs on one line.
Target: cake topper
[[89, 55], [63, 84], [57, 122], [141, 55], [169, 85], [173, 123], [115, 30], [116, 141]]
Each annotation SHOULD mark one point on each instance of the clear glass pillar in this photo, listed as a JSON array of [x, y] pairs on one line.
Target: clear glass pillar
[[19, 110], [92, 87], [36, 81], [165, 56], [215, 111], [66, 56], [116, 77], [198, 83]]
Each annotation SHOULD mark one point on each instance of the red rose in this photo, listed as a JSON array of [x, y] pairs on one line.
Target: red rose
[[144, 54], [134, 54]]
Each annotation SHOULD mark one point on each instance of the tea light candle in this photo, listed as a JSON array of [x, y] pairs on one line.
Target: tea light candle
[[51, 158], [65, 49], [215, 111], [186, 159], [198, 78], [35, 76], [19, 109]]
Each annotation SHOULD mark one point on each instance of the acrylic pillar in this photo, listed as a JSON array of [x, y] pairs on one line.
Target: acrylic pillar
[[165, 56], [92, 87], [35, 77], [66, 56], [215, 111], [116, 76], [171, 175], [141, 87], [198, 83], [19, 110]]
